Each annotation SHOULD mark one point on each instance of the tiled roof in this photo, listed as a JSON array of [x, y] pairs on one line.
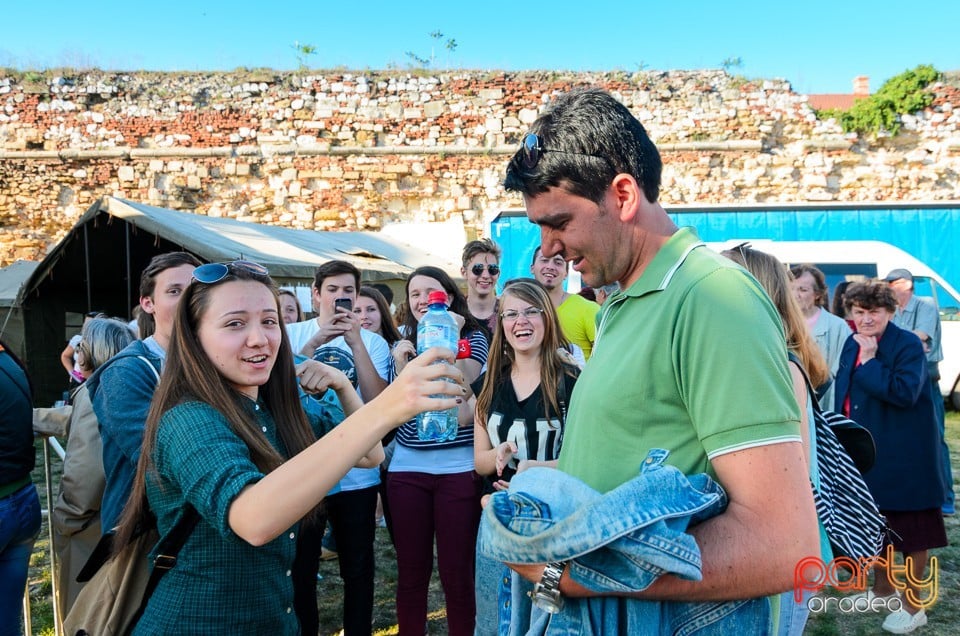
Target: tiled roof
[[826, 101]]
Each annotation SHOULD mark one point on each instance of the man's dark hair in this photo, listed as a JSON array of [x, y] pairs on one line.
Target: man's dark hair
[[335, 268], [586, 138], [480, 246]]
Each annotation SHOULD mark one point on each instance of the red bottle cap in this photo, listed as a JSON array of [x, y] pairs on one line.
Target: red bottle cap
[[438, 296]]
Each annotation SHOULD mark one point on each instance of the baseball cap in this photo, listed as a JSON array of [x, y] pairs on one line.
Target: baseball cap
[[897, 274]]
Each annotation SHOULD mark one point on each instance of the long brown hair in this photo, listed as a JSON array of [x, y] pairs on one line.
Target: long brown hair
[[189, 375], [774, 277], [458, 302], [502, 356], [387, 327]]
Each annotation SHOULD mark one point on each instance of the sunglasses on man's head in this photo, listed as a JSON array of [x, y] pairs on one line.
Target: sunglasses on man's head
[[477, 269], [531, 151], [215, 272]]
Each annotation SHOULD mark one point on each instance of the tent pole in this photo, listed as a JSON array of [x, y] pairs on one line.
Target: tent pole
[[86, 263]]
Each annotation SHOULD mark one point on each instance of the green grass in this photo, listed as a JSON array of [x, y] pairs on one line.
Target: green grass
[[944, 617]]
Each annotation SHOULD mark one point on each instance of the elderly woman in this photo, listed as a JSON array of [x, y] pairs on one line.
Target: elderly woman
[[76, 513], [881, 383], [830, 331]]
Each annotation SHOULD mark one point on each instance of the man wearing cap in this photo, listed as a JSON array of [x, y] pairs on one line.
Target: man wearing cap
[[919, 314]]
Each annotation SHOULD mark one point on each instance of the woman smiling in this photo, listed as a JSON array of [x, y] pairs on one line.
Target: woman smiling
[[520, 412], [227, 435]]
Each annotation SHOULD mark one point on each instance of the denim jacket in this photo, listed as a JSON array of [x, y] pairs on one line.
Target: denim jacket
[[121, 391], [616, 543]]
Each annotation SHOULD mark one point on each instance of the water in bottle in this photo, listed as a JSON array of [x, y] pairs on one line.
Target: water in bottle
[[437, 328]]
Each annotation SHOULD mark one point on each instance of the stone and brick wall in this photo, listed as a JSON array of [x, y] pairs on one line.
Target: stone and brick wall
[[338, 150]]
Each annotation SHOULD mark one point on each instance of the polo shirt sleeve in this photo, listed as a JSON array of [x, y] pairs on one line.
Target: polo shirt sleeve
[[197, 451], [731, 359]]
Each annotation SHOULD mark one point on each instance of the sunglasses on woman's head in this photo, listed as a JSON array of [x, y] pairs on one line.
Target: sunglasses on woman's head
[[532, 151], [215, 272], [477, 269]]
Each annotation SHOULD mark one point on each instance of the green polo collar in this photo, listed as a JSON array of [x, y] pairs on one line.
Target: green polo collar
[[665, 263]]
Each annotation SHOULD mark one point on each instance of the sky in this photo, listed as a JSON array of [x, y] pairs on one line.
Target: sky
[[818, 46]]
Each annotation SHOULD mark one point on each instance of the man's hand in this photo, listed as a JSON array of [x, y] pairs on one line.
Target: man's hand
[[403, 352], [316, 377], [349, 322], [329, 329]]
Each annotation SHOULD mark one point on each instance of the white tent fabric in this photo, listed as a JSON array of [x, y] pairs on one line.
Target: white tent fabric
[[12, 279], [288, 253], [97, 266]]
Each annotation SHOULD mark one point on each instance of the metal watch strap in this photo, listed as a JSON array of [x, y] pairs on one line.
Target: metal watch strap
[[546, 593]]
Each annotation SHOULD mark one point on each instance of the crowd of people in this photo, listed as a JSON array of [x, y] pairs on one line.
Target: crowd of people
[[276, 424]]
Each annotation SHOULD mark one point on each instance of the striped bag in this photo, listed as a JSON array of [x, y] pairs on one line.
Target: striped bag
[[846, 508]]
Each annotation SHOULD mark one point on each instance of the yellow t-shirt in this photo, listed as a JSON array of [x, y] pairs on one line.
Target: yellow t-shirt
[[578, 321]]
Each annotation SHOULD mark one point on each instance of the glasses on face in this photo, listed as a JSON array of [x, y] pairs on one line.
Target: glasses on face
[[215, 272], [511, 315], [477, 269], [532, 151]]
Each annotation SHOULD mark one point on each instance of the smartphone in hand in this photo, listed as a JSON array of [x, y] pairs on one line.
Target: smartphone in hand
[[346, 303]]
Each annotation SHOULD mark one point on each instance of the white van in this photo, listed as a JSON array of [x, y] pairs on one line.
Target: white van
[[858, 260]]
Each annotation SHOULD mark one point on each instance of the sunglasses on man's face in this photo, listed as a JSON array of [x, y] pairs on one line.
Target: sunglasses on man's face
[[477, 269], [531, 151], [215, 272]]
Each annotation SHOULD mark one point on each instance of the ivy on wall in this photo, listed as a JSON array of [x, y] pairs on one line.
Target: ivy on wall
[[900, 95]]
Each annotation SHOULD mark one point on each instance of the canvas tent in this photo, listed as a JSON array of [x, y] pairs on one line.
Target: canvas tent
[[97, 266], [12, 279]]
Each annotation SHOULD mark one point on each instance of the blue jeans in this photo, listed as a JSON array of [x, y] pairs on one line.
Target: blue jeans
[[19, 527], [616, 543], [793, 615]]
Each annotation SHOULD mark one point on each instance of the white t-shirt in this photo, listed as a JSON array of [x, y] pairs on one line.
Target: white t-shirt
[[75, 342], [337, 353]]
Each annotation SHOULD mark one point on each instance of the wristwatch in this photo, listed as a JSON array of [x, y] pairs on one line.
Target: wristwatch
[[546, 593]]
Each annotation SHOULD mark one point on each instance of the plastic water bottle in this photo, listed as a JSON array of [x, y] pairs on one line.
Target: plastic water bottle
[[437, 328]]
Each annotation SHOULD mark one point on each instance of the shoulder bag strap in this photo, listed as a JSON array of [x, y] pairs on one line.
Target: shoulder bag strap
[[813, 395], [167, 551]]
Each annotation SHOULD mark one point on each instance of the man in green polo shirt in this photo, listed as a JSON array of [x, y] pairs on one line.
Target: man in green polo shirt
[[689, 355]]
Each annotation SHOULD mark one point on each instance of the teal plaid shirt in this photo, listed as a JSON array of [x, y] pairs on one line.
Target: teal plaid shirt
[[221, 584]]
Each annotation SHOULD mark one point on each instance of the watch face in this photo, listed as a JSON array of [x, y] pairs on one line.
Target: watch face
[[546, 593], [548, 600]]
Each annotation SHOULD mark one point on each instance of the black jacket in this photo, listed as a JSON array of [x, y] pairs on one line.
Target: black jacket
[[17, 455]]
